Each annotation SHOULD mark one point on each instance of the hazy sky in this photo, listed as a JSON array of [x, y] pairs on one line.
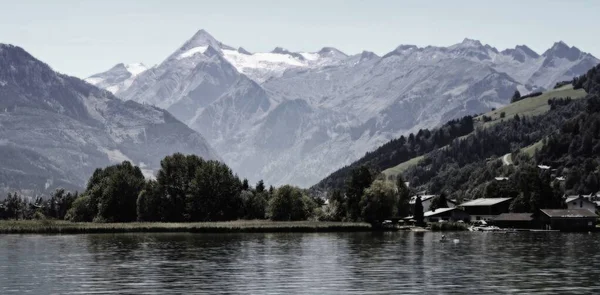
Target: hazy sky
[[81, 37]]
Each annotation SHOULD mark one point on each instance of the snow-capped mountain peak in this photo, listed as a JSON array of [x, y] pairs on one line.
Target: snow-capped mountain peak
[[293, 117], [203, 38], [118, 77]]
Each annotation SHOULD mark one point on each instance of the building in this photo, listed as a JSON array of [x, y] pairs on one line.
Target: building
[[446, 214], [516, 220], [426, 201], [567, 219], [580, 202], [486, 208]]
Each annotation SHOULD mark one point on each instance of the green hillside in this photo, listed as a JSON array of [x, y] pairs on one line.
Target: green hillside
[[532, 106]]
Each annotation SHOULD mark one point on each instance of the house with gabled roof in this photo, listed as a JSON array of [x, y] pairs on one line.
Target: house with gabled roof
[[486, 208], [580, 202]]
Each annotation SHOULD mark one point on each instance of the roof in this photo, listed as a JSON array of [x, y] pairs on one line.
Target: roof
[[485, 202], [514, 217], [424, 198], [569, 213], [572, 198], [437, 211]]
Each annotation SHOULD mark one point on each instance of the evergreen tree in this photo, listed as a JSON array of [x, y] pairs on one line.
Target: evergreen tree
[[516, 96], [403, 197], [260, 186], [418, 213]]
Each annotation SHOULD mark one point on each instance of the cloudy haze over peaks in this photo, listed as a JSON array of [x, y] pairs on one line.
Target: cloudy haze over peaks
[[292, 116]]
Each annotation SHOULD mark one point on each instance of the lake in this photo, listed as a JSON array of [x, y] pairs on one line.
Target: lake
[[315, 263]]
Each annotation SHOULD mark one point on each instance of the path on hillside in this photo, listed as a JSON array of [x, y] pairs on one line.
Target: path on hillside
[[506, 160]]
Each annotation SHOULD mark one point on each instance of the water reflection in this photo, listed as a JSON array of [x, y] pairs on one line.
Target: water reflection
[[317, 263]]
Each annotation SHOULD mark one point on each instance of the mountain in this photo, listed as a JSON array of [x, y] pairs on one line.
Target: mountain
[[56, 130], [295, 117], [118, 77]]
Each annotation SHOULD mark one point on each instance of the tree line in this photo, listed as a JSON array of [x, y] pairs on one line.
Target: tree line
[[187, 188]]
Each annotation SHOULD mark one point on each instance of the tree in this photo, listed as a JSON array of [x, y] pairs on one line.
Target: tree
[[418, 211], [360, 179], [255, 204], [81, 210], [119, 196], [337, 206], [245, 185], [214, 194], [403, 197], [174, 178], [149, 202], [60, 202], [289, 203], [516, 96], [438, 202], [113, 193], [260, 186], [379, 201]]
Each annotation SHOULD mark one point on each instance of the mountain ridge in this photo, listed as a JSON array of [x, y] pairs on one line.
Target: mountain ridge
[[351, 103], [56, 129]]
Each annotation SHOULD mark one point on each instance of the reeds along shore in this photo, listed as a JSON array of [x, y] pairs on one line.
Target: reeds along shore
[[66, 227]]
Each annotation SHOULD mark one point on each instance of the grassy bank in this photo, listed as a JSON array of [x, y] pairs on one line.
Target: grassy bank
[[66, 227]]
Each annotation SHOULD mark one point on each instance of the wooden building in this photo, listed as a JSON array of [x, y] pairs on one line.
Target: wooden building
[[567, 219], [516, 221], [486, 208], [446, 214]]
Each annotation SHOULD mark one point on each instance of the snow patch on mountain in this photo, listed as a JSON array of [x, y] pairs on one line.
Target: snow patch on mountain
[[294, 117], [192, 52], [118, 77]]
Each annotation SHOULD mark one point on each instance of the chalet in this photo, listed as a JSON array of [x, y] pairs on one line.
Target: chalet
[[568, 219], [580, 202], [515, 220], [426, 201], [446, 214], [486, 208]]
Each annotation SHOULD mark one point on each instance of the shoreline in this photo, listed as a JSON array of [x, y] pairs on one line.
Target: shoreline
[[239, 226]]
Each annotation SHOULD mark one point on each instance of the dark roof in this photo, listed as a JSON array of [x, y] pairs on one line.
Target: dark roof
[[569, 213], [514, 217]]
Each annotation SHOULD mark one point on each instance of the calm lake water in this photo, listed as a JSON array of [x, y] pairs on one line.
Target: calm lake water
[[316, 263]]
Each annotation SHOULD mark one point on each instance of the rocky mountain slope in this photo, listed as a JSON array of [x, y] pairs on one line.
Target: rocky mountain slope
[[55, 130], [294, 117], [118, 77]]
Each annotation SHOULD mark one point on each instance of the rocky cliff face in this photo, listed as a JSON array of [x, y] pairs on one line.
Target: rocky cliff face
[[55, 130]]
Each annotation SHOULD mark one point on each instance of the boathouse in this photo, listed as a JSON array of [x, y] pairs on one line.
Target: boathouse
[[516, 221], [486, 208], [567, 219], [446, 214]]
